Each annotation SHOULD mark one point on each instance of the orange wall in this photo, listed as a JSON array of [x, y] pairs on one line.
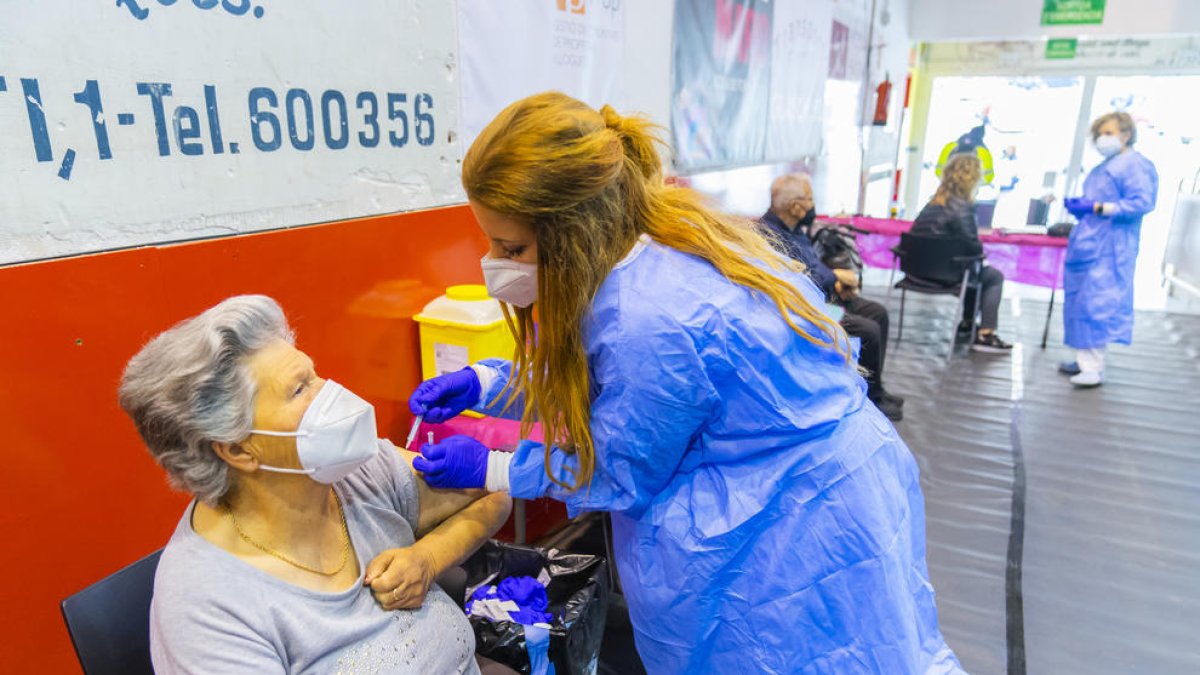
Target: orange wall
[[82, 498]]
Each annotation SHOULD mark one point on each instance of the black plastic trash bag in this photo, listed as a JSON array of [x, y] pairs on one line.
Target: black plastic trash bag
[[578, 593]]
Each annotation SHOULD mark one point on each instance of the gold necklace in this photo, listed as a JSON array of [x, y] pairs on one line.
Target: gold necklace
[[345, 542]]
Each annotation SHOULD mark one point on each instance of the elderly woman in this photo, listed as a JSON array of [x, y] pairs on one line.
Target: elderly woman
[[311, 546]]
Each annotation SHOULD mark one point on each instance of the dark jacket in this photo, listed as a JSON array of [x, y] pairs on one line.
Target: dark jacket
[[955, 219], [795, 244]]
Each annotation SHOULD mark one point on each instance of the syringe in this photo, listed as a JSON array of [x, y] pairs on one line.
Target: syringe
[[412, 434]]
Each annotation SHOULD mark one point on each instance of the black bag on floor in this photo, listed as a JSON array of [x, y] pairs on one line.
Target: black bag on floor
[[578, 595], [1060, 230]]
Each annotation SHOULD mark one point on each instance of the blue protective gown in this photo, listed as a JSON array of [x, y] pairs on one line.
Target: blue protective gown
[[1102, 253], [766, 517]]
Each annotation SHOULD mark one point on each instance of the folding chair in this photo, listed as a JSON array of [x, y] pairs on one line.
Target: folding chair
[[938, 266], [109, 621]]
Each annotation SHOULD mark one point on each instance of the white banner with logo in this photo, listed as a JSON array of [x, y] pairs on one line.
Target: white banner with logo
[[721, 83], [129, 122], [800, 37], [509, 50]]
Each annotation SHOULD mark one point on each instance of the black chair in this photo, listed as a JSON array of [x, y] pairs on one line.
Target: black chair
[[1038, 213], [109, 621], [938, 266], [454, 582]]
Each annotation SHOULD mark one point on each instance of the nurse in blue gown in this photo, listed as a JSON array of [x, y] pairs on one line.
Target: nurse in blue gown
[[1102, 252], [766, 517]]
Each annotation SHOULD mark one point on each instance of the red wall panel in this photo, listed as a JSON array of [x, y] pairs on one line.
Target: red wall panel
[[82, 496]]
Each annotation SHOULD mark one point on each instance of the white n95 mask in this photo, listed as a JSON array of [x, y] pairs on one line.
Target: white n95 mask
[[510, 281], [1108, 145], [336, 435]]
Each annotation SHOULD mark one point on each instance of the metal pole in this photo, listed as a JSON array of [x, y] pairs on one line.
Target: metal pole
[[518, 521], [895, 198], [922, 93], [1049, 313], [864, 104], [1053, 289], [1082, 121]]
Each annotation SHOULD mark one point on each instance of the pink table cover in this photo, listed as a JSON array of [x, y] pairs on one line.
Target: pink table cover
[[493, 432], [1034, 259]]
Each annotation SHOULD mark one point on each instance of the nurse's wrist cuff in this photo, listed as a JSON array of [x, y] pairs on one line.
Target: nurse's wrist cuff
[[1107, 208], [497, 471], [487, 375]]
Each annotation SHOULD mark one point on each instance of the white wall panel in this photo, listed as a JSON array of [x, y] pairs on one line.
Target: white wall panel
[[95, 155]]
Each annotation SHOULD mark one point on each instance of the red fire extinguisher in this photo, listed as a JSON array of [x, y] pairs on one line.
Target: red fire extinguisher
[[883, 94]]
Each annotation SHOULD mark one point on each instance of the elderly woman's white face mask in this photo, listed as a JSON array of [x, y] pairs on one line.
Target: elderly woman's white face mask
[[336, 435], [334, 429]]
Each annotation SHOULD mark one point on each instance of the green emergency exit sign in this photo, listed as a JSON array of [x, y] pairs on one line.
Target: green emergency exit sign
[[1072, 12], [1061, 48]]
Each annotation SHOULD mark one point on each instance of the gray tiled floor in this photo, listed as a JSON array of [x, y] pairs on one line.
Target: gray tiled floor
[[1110, 566]]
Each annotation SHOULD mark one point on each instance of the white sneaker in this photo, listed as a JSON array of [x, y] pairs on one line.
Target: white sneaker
[[1088, 378]]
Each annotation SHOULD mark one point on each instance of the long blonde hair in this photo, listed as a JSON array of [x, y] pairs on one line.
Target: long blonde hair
[[589, 184], [960, 177]]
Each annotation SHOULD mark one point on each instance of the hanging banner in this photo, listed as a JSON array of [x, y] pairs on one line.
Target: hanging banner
[[510, 50], [839, 51], [721, 83], [131, 122], [800, 52]]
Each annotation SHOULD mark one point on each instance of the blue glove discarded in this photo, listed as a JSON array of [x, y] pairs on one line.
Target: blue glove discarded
[[530, 596], [1079, 207], [445, 396], [527, 593], [458, 462]]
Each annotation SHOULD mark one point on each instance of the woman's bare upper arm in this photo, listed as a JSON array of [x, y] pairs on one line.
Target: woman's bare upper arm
[[436, 505]]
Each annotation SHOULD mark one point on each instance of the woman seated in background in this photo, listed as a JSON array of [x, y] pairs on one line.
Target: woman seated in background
[[310, 546], [951, 213]]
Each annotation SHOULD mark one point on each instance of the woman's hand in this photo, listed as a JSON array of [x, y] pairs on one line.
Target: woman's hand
[[1079, 207], [445, 396], [400, 577], [846, 285], [458, 462]]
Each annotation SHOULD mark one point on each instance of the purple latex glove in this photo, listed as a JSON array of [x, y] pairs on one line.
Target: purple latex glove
[[525, 591], [1079, 207], [528, 594], [458, 462], [445, 396]]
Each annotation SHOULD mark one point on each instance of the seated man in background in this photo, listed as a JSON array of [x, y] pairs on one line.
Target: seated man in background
[[310, 546], [792, 211]]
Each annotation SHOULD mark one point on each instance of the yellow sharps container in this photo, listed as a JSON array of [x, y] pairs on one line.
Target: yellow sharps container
[[461, 327]]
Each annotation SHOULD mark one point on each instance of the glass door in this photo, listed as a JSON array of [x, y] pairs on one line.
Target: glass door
[[1028, 129]]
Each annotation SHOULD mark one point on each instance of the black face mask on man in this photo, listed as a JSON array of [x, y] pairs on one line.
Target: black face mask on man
[[808, 218]]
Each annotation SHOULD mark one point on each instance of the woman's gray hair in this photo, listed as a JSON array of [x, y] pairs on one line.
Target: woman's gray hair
[[787, 189], [190, 387], [1124, 122]]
